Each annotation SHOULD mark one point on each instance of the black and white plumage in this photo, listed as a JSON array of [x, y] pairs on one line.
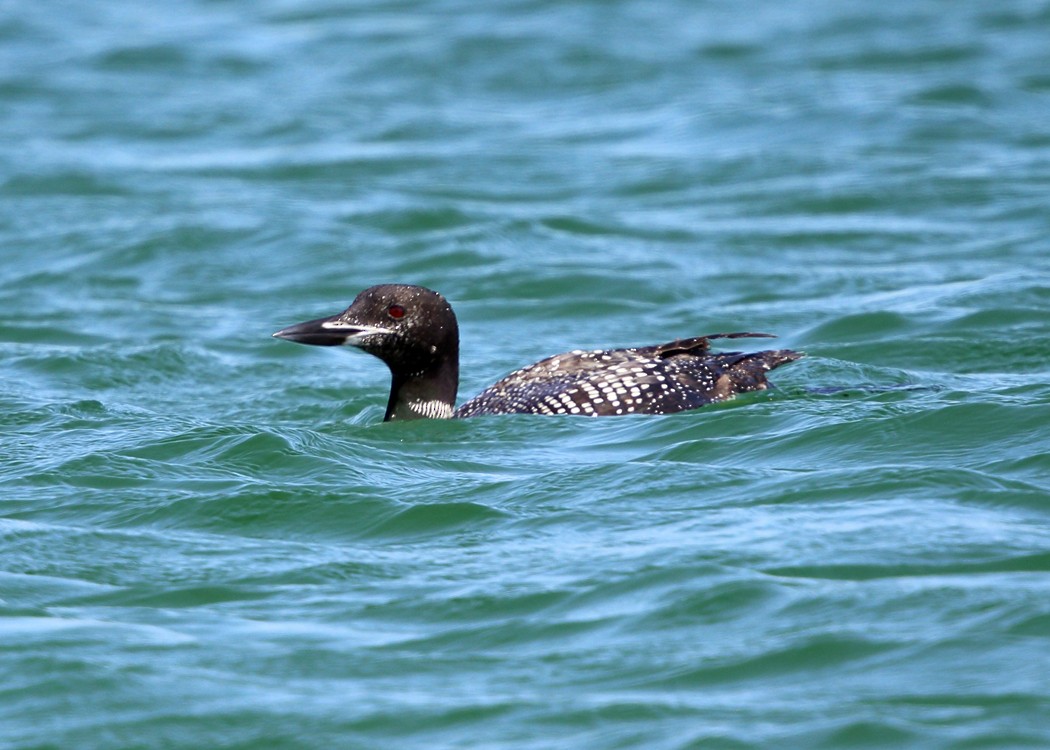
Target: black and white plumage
[[414, 330]]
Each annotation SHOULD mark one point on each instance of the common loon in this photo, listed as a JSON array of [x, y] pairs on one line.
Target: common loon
[[414, 331]]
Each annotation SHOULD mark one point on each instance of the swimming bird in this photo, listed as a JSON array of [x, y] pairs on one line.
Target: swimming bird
[[414, 331]]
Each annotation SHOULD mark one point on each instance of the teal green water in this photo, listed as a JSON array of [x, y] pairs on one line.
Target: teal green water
[[208, 539]]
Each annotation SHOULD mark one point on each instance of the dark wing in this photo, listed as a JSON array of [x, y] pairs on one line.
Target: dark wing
[[659, 379]]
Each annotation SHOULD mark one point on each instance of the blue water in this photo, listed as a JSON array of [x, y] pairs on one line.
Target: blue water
[[208, 538]]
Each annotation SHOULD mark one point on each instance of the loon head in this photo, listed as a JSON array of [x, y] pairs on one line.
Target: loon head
[[413, 330]]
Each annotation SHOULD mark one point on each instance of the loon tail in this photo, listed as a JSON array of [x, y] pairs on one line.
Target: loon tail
[[747, 372]]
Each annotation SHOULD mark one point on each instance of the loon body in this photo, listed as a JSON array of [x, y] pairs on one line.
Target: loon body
[[414, 331]]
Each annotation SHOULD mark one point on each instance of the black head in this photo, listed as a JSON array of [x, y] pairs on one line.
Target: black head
[[411, 328]]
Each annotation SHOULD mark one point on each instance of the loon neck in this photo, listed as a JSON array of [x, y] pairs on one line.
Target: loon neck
[[427, 395]]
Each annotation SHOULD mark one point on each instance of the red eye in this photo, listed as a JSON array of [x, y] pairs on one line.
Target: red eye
[[396, 312]]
